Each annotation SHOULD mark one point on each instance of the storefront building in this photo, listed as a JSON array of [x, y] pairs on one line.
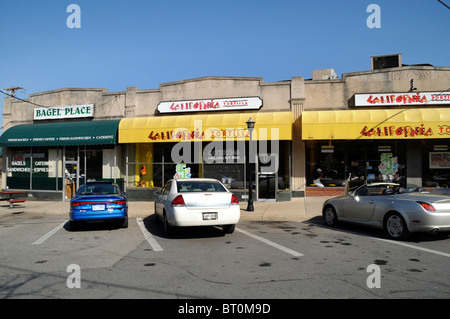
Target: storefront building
[[142, 138], [389, 124], [312, 137], [61, 150]]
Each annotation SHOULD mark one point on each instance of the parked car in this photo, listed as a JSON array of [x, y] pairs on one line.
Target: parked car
[[398, 211], [99, 201], [197, 202]]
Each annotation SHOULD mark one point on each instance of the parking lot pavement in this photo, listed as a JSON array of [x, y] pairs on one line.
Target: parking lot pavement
[[262, 259], [297, 209]]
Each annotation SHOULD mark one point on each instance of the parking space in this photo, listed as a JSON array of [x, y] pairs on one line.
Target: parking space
[[260, 259]]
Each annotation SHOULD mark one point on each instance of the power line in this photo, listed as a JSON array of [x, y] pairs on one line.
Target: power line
[[18, 98], [448, 7], [27, 101]]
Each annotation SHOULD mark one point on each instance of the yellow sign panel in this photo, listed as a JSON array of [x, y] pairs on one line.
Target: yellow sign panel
[[376, 124], [268, 126]]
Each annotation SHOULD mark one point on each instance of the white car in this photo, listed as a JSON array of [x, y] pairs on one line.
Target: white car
[[197, 202]]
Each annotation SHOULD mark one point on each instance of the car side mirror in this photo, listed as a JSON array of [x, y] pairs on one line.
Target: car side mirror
[[158, 192]]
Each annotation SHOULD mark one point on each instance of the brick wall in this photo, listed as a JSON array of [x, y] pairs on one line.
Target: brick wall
[[324, 191]]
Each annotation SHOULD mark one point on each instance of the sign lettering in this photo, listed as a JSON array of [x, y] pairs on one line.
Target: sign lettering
[[230, 104], [64, 112]]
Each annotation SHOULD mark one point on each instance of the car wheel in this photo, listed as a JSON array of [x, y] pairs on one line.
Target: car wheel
[[329, 215], [124, 223], [228, 229], [74, 226], [167, 228], [395, 227]]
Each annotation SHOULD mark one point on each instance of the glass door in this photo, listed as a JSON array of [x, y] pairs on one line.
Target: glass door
[[71, 172], [267, 177], [71, 177]]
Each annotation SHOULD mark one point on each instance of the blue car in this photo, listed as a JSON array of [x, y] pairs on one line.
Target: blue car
[[98, 202]]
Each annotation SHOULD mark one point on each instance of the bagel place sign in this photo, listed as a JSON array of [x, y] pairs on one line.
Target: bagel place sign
[[64, 112]]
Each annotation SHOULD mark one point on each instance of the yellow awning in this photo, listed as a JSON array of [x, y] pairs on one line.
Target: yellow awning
[[376, 124], [269, 125]]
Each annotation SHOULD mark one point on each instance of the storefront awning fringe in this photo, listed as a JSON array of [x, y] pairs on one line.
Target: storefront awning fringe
[[269, 125], [372, 124], [61, 134]]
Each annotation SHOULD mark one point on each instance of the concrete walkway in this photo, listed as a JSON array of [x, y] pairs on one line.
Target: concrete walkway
[[297, 209]]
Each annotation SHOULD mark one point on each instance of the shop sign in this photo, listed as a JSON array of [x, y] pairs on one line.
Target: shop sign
[[439, 159], [217, 155], [388, 166], [230, 104], [64, 112], [208, 134], [416, 98], [404, 131], [181, 171]]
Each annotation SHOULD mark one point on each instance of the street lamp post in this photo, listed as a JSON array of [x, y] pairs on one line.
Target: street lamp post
[[250, 127]]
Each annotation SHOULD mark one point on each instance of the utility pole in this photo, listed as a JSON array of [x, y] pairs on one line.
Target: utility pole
[[13, 90]]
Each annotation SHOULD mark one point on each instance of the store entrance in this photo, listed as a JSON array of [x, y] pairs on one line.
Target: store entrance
[[72, 171], [267, 177], [70, 179]]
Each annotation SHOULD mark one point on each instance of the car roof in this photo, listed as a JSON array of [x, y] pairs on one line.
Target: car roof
[[196, 179]]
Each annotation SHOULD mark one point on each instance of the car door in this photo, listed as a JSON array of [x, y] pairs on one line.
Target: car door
[[361, 205]]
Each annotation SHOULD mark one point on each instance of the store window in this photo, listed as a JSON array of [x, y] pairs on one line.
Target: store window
[[18, 171], [33, 168], [435, 163], [325, 164], [358, 162]]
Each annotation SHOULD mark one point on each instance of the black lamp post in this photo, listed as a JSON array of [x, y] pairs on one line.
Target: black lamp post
[[250, 127]]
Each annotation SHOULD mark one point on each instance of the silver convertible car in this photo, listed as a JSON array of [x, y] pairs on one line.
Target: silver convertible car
[[397, 210]]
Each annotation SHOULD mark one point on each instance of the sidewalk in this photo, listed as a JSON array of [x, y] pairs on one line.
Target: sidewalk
[[298, 209]]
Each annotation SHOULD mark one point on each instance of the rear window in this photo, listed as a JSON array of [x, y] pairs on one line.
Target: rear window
[[199, 186], [98, 190]]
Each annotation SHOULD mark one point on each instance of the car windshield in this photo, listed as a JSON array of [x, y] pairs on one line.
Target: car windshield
[[199, 186], [374, 190], [98, 189]]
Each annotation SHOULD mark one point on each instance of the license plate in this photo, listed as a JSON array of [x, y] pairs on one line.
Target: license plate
[[98, 207], [209, 216]]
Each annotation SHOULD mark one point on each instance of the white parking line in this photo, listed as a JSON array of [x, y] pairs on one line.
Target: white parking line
[[270, 243], [148, 236], [400, 243], [49, 234], [436, 252]]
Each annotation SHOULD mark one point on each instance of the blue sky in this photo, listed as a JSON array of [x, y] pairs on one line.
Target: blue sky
[[146, 43]]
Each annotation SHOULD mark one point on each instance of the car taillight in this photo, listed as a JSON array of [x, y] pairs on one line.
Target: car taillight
[[178, 201], [76, 204], [120, 202], [427, 206], [234, 200]]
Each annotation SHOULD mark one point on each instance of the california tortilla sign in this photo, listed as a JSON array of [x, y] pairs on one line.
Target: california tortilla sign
[[230, 104]]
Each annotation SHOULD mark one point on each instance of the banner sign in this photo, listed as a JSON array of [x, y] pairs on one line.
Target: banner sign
[[230, 104], [415, 98], [64, 112]]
